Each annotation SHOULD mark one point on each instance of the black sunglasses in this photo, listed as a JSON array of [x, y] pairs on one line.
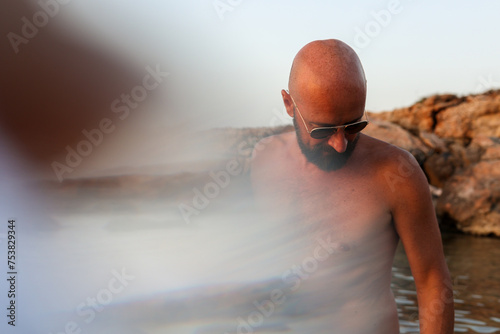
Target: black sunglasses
[[350, 129], [327, 131]]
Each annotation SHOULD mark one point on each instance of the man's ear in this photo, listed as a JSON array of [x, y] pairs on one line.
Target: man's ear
[[287, 101]]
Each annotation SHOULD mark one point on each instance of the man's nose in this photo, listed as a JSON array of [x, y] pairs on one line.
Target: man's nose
[[338, 141]]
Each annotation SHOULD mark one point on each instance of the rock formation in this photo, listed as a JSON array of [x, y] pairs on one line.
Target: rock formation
[[457, 142]]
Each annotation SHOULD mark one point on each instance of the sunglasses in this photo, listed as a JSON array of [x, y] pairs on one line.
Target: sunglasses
[[327, 131]]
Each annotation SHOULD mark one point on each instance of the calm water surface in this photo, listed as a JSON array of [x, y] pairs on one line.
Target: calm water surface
[[198, 278], [474, 264]]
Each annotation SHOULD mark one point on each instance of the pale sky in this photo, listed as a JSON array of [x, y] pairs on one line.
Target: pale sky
[[229, 72], [227, 68]]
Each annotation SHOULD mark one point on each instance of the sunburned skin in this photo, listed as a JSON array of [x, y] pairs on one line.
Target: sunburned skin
[[373, 198], [347, 208]]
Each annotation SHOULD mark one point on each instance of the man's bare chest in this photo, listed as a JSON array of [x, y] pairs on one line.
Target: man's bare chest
[[350, 207]]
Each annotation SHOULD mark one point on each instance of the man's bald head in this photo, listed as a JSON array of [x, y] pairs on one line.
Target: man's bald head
[[327, 67], [328, 85]]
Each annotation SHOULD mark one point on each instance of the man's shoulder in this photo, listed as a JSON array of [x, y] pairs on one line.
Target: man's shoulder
[[394, 166], [272, 147], [385, 153]]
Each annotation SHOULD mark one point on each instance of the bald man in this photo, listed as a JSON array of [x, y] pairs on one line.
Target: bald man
[[353, 193]]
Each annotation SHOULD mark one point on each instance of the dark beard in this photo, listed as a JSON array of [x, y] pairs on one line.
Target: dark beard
[[323, 155]]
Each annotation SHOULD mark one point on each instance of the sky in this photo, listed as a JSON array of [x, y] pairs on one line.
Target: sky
[[223, 63], [228, 59]]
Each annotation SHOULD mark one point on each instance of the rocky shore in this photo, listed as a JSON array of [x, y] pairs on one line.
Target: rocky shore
[[457, 142]]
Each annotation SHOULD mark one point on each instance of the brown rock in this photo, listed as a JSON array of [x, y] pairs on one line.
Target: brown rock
[[432, 141], [421, 116], [440, 167], [465, 156], [472, 199], [492, 153], [479, 115], [472, 154], [487, 147], [485, 141]]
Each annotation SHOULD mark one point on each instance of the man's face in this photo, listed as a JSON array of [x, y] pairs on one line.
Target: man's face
[[322, 154]]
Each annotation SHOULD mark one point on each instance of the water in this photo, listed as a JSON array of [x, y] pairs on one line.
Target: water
[[201, 277], [474, 264]]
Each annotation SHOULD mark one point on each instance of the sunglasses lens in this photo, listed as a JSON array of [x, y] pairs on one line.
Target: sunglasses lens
[[322, 133], [355, 128]]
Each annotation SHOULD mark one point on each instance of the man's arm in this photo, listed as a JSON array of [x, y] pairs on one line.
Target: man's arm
[[415, 222]]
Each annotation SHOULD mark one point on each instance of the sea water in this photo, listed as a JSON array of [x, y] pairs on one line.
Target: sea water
[[117, 267]]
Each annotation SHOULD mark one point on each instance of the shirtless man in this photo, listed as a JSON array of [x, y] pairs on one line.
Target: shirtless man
[[360, 193]]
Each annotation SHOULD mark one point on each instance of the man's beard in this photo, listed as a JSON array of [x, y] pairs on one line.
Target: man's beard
[[323, 155]]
